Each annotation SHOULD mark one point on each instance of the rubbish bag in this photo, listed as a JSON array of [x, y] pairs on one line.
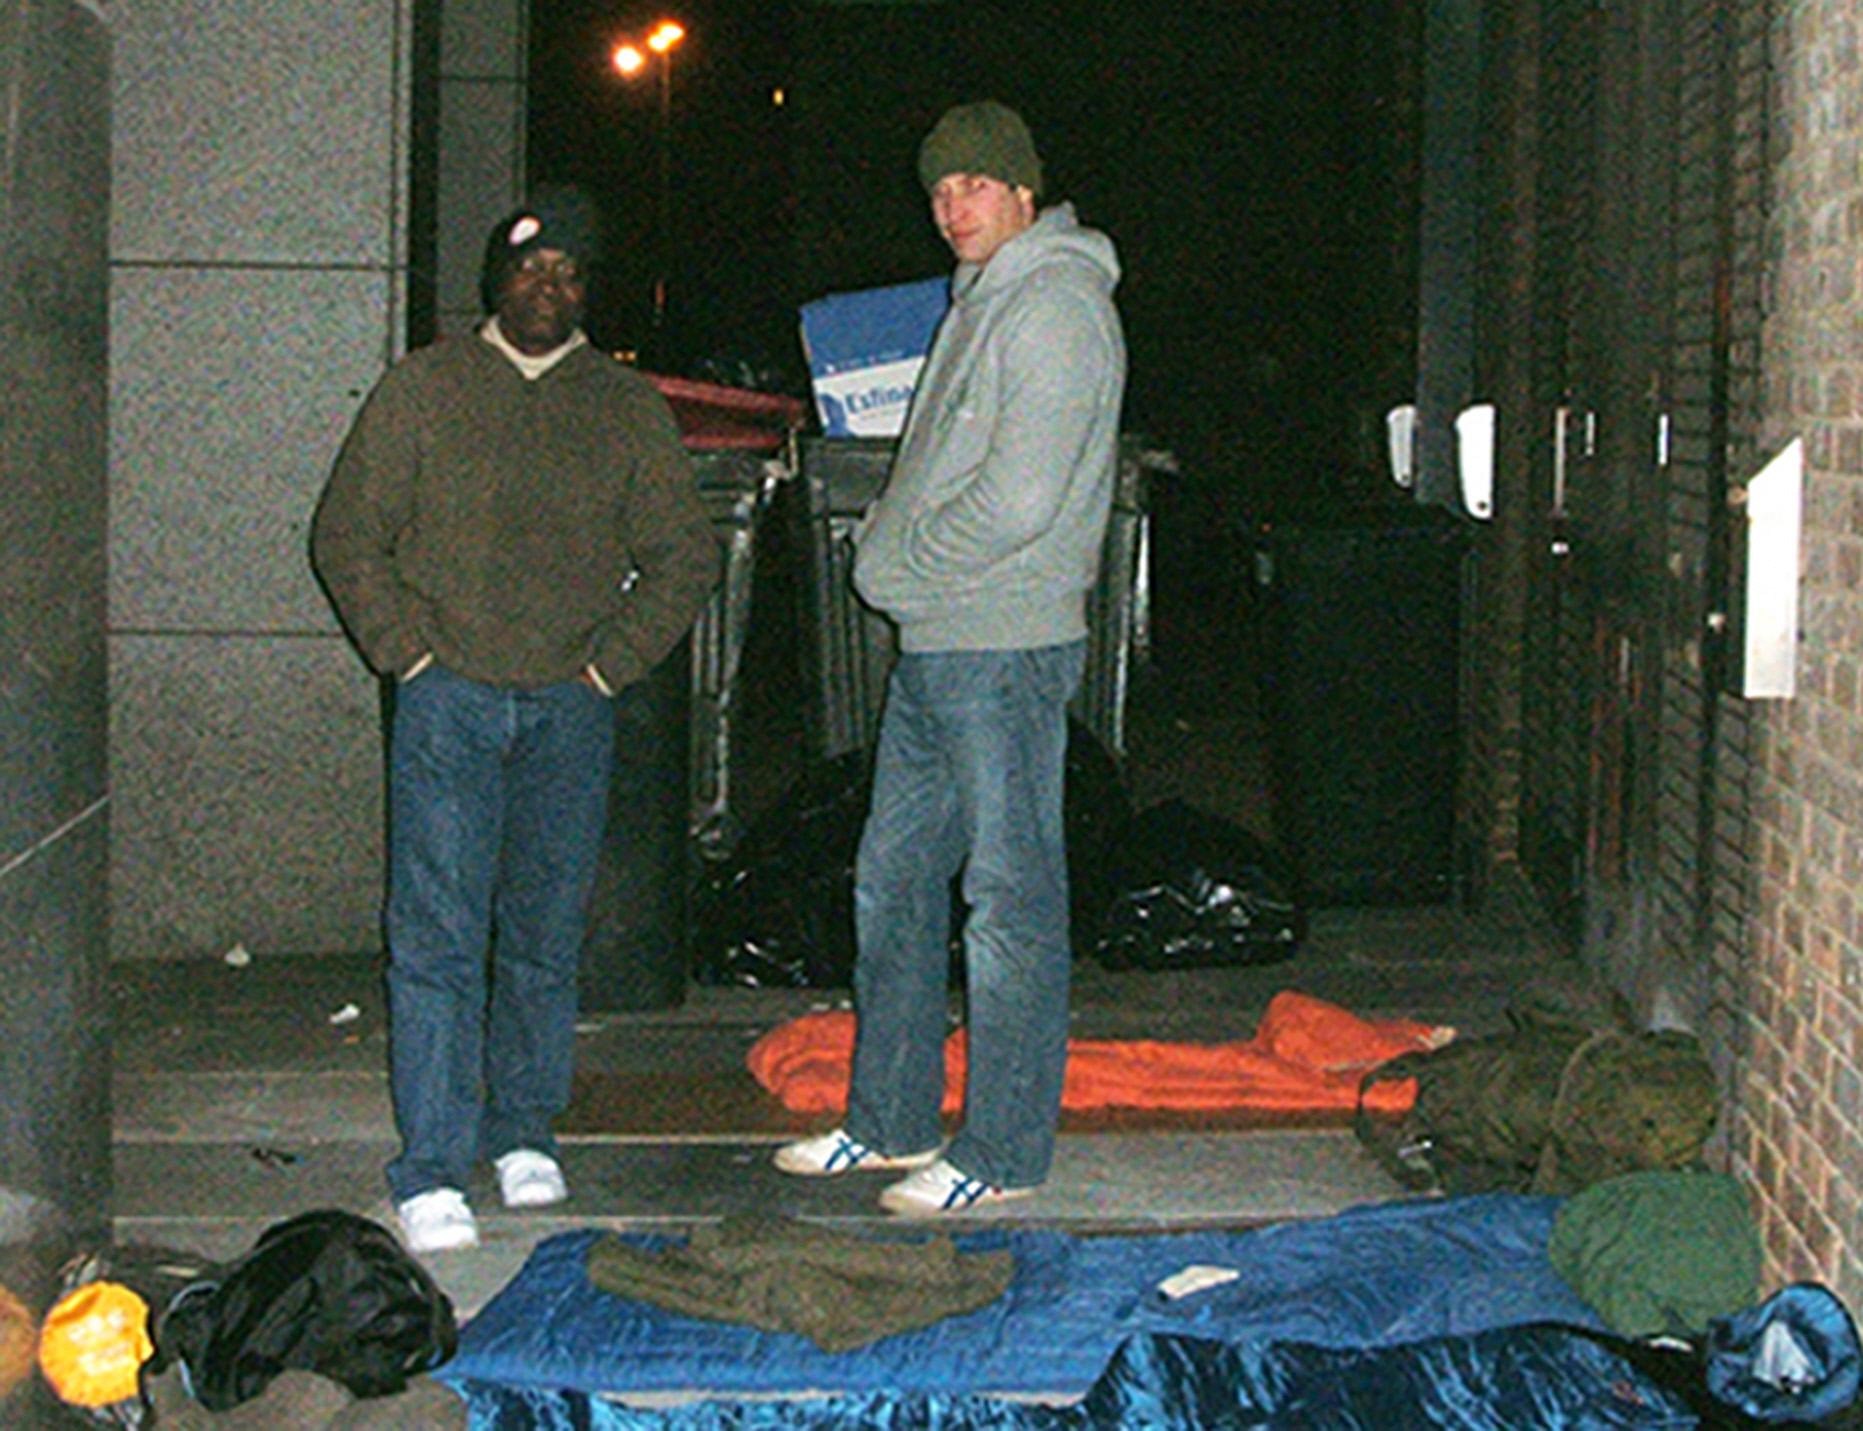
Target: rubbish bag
[[325, 1291], [779, 913], [1189, 889]]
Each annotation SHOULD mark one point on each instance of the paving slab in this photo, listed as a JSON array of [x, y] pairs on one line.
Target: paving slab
[[256, 1107], [1192, 1178]]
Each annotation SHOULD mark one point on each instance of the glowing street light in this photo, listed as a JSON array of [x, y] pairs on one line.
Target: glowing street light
[[629, 60]]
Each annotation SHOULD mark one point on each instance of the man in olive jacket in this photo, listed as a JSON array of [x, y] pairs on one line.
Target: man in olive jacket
[[512, 533]]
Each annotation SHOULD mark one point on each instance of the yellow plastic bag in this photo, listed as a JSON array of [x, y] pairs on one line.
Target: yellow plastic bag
[[93, 1344]]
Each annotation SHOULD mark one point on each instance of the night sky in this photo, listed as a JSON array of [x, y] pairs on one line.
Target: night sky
[[1227, 148]]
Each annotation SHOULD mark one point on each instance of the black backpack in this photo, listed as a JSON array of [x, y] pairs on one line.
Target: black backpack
[[327, 1292]]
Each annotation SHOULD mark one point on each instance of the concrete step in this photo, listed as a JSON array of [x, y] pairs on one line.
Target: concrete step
[[214, 1199]]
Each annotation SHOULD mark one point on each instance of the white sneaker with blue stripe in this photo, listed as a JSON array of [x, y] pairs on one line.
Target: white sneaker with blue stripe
[[941, 1188], [530, 1178], [832, 1154]]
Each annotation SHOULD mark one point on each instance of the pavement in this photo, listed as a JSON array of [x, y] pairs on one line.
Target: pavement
[[244, 1095]]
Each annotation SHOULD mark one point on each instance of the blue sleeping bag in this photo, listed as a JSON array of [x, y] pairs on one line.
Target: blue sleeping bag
[[1794, 1359], [1506, 1379], [1373, 1276]]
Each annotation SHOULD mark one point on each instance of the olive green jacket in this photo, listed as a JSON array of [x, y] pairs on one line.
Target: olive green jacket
[[520, 531]]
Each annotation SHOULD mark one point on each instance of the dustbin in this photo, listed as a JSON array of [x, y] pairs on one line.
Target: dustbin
[[1360, 611], [669, 799], [850, 648]]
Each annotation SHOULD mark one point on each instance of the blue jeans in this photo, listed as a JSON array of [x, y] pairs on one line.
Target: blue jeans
[[968, 776], [496, 804]]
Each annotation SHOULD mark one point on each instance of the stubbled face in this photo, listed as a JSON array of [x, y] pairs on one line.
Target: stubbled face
[[542, 301], [977, 215]]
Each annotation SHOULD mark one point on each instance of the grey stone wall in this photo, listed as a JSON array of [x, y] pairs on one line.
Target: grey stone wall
[[54, 1056], [481, 135], [260, 250]]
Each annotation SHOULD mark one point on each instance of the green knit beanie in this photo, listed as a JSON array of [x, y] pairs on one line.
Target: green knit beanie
[[982, 138]]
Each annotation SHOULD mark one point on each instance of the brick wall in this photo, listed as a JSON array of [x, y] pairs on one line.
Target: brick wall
[[1750, 849], [1797, 1103]]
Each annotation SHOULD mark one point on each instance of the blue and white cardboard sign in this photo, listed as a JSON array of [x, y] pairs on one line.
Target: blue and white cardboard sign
[[865, 350]]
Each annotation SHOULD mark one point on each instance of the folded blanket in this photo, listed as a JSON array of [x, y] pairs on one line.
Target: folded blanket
[[839, 1289], [1306, 1055]]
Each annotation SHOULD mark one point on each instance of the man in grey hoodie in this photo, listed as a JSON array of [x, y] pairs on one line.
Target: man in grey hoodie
[[982, 549]]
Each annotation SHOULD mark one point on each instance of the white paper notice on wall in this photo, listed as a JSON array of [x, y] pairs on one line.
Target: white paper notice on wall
[[1775, 509]]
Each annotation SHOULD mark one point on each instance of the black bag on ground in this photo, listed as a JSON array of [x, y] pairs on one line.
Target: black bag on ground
[[327, 1292], [1189, 889], [779, 913]]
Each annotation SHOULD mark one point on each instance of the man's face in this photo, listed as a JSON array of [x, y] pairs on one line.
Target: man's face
[[977, 215], [542, 301]]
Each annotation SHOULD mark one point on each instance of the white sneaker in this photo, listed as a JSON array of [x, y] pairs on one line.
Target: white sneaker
[[528, 1178], [942, 1188], [835, 1153], [437, 1221]]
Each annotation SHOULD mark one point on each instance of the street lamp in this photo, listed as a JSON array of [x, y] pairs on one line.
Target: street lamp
[[629, 61]]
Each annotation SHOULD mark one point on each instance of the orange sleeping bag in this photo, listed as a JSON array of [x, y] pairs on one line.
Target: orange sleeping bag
[[1306, 1055]]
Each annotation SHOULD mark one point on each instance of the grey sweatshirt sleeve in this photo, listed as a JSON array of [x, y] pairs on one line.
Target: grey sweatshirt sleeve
[[1054, 353]]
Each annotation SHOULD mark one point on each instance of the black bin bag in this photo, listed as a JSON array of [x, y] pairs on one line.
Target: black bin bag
[[1188, 889], [326, 1292], [779, 913]]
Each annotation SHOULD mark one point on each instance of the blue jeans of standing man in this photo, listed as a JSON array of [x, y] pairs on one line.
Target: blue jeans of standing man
[[496, 804], [968, 776]]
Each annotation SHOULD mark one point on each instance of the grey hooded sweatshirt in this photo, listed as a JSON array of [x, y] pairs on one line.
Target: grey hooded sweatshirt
[[987, 537]]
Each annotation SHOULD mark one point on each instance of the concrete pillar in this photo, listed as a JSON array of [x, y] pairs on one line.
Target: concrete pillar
[[298, 193], [482, 97], [54, 1013]]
